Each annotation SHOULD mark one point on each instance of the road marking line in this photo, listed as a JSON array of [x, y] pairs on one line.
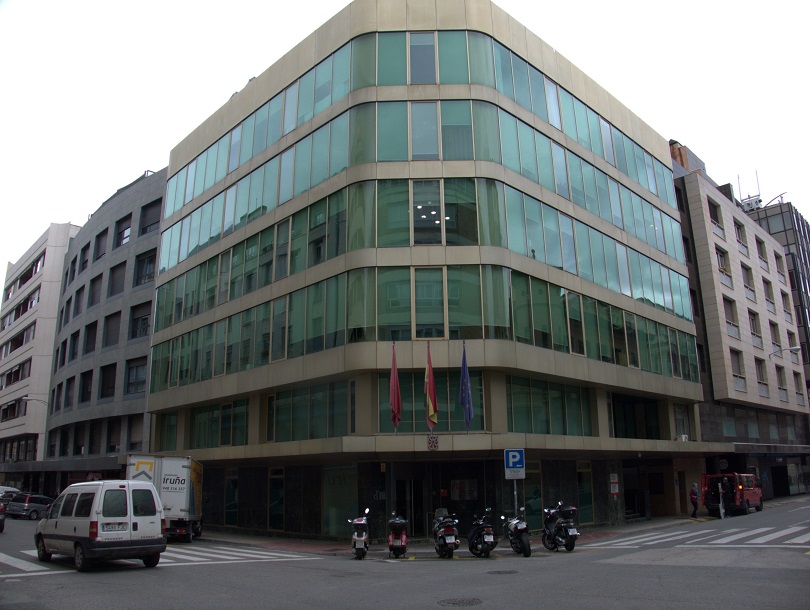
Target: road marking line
[[779, 534], [761, 530], [20, 564], [743, 546], [676, 537]]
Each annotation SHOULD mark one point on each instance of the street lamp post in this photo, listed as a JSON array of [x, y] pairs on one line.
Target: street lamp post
[[795, 348]]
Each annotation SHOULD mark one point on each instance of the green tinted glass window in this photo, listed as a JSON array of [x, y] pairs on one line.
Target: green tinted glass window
[[335, 311], [461, 220], [495, 290], [274, 115], [315, 317], [393, 304], [361, 310], [363, 146], [393, 224], [303, 164], [584, 261], [464, 302], [457, 139], [453, 58], [521, 308], [590, 319], [515, 221], [551, 233], [298, 241], [598, 257], [541, 314], [339, 144], [392, 67], [528, 153], [485, 132], [361, 216], [392, 131], [424, 131], [427, 217], [559, 318], [270, 188], [320, 156], [491, 213], [545, 164], [306, 97], [323, 85], [560, 171], [341, 68], [534, 228], [482, 66], [429, 303], [503, 70], [509, 141], [364, 61]]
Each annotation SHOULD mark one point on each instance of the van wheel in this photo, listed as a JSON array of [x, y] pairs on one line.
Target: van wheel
[[42, 552], [746, 508], [81, 562], [152, 560], [761, 505]]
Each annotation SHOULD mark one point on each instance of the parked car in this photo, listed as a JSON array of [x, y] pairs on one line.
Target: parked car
[[2, 517], [5, 497], [30, 506]]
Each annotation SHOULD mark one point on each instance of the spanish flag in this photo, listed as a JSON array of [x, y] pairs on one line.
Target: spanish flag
[[431, 406]]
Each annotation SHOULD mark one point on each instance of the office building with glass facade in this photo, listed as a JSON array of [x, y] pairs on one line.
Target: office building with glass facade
[[429, 176]]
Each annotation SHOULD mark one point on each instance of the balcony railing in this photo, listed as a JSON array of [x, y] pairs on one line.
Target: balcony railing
[[757, 340], [750, 293], [763, 389], [733, 329], [763, 264], [725, 278], [718, 230], [783, 394], [742, 247], [770, 305], [739, 383]]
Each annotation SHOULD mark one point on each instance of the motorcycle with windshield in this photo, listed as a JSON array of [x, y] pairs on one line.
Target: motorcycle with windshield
[[445, 533], [481, 537], [360, 538], [518, 533], [558, 527]]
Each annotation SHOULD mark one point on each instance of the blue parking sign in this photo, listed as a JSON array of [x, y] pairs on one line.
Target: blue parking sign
[[514, 462]]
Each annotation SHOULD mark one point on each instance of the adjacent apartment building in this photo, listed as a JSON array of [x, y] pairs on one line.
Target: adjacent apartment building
[[747, 336], [787, 226], [28, 320], [99, 358], [431, 178]]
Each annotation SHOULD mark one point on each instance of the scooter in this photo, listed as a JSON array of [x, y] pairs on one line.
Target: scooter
[[445, 534], [558, 527], [481, 538], [518, 532], [397, 535], [360, 537]]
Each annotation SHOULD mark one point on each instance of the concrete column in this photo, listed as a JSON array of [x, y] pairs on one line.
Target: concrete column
[[600, 413]]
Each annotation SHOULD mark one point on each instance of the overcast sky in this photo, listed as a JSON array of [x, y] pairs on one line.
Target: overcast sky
[[92, 93]]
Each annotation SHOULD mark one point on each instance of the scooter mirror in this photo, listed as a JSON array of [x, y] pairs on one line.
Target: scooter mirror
[[365, 512]]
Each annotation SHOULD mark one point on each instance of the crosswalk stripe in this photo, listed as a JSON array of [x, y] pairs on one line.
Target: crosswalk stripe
[[800, 539], [21, 564], [725, 539], [184, 556], [775, 535], [678, 537], [258, 553], [648, 538]]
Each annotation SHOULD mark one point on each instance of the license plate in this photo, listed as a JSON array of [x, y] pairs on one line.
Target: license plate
[[572, 531], [114, 527], [450, 539], [489, 538], [397, 542]]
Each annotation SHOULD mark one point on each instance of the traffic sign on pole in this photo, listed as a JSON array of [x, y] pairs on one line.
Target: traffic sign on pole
[[514, 462]]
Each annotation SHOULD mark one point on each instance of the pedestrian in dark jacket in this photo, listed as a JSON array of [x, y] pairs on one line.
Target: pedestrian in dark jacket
[[694, 495]]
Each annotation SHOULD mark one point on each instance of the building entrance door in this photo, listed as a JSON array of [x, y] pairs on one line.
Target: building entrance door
[[408, 497]]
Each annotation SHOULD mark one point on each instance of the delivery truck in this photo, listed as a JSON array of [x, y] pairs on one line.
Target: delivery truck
[[178, 481]]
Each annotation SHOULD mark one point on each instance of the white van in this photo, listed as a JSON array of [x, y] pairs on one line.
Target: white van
[[104, 520]]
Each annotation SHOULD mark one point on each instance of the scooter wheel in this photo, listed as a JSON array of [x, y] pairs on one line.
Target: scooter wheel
[[398, 553], [569, 545], [549, 543], [526, 544]]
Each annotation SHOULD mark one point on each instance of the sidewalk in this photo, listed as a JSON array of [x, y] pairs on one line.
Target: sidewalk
[[422, 547]]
